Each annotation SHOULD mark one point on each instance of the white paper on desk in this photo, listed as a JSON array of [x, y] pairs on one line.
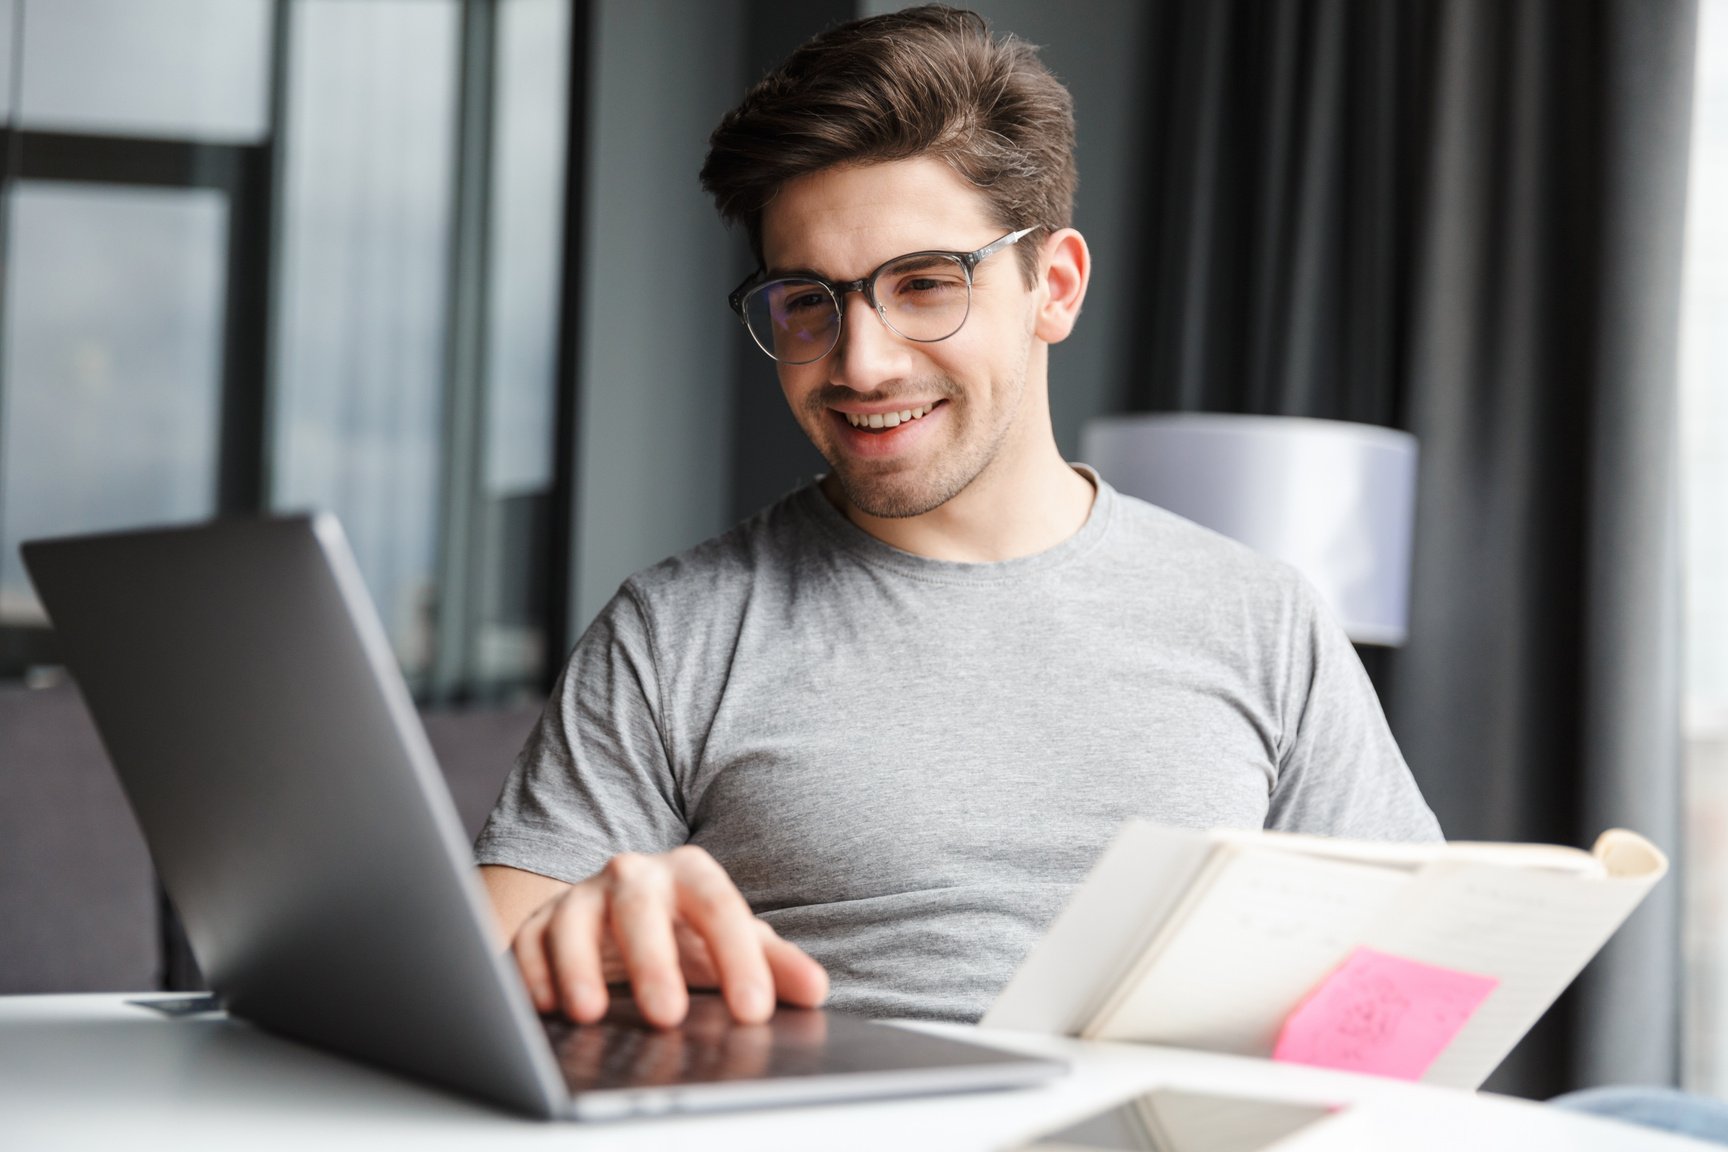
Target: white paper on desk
[[1532, 930], [1180, 1120], [1142, 875]]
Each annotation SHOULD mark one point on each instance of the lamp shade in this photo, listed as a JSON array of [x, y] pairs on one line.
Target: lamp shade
[[1336, 500]]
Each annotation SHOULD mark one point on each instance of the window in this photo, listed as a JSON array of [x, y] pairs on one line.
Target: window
[[289, 254], [368, 196], [115, 316], [190, 69], [1704, 493], [135, 189]]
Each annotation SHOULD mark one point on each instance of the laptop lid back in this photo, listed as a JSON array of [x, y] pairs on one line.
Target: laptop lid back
[[226, 663]]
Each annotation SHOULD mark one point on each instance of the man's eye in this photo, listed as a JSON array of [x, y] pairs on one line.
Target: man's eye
[[804, 304], [927, 289]]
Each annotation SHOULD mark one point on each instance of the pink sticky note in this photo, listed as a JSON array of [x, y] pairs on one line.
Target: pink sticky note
[[1382, 1014]]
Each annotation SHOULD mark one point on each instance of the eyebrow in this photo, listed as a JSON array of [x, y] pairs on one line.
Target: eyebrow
[[933, 256], [789, 273], [924, 258]]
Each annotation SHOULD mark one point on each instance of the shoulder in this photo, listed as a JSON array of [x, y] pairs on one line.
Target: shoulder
[[1180, 554], [728, 569], [677, 625]]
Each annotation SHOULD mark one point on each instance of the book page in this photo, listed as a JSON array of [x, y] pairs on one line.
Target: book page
[[1211, 939], [1627, 854], [1143, 874], [1265, 931], [1415, 856], [1532, 930]]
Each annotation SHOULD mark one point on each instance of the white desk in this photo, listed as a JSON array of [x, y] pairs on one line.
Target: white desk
[[84, 1072]]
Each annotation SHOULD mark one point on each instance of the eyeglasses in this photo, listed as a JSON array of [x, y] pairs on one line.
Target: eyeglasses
[[922, 296]]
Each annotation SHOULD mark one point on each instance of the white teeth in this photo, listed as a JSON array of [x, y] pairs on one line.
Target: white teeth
[[888, 419]]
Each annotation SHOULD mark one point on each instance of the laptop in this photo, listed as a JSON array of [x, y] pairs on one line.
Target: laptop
[[253, 709]]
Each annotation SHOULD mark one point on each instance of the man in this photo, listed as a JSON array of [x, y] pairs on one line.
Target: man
[[878, 732]]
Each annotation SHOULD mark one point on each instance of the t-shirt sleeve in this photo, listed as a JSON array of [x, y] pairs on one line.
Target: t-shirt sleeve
[[594, 778], [1340, 772]]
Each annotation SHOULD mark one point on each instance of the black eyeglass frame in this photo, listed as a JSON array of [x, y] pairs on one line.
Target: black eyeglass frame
[[756, 282]]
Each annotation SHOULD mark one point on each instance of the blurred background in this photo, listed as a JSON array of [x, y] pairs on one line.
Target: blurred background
[[443, 268]]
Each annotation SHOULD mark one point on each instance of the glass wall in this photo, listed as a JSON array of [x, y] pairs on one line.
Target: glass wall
[[131, 151], [246, 245], [177, 69], [114, 319], [370, 146], [1704, 495], [527, 199]]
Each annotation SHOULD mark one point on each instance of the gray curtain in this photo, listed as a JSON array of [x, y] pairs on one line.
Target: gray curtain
[[1463, 218]]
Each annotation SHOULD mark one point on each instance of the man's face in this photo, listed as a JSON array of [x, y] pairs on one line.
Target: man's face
[[841, 223]]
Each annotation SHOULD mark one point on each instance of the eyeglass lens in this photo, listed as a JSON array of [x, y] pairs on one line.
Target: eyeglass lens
[[924, 297]]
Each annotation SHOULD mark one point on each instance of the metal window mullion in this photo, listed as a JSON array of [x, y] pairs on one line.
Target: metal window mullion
[[11, 141], [270, 378], [563, 537]]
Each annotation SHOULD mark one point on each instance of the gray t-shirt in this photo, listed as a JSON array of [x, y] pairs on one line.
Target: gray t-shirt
[[908, 764]]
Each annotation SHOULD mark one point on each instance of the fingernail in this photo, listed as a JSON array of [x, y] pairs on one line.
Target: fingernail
[[755, 1001], [658, 1000]]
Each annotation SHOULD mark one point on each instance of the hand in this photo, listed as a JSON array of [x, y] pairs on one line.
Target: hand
[[666, 923]]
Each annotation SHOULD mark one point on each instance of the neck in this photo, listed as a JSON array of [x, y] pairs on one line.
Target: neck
[[1026, 501]]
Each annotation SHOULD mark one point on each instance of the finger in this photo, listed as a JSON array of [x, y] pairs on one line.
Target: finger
[[713, 907], [529, 948], [573, 952], [693, 958], [611, 961], [639, 912], [798, 979]]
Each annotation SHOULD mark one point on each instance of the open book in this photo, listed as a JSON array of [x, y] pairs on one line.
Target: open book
[[1214, 939]]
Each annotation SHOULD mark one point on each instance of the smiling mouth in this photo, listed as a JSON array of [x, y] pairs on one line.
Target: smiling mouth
[[880, 421]]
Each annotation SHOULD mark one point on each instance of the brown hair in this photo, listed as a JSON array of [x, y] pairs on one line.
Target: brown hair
[[923, 81]]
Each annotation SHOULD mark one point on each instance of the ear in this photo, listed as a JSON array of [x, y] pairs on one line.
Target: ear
[[1066, 264]]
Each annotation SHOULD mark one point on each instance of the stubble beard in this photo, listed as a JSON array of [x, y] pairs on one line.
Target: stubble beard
[[899, 492]]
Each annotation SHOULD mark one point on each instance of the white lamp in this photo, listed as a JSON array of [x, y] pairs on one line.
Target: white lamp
[[1336, 500]]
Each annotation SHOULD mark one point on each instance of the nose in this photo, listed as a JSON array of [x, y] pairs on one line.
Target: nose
[[869, 353]]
